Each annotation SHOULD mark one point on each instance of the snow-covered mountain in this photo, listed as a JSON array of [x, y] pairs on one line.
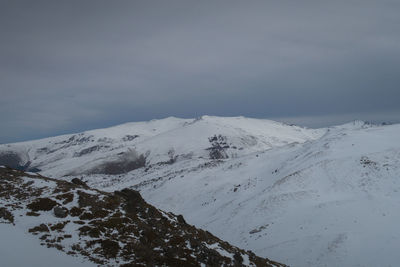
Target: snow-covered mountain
[[99, 228], [330, 202], [119, 149], [304, 197]]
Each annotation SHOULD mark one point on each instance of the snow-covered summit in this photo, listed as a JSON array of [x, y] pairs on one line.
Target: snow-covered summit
[[153, 142]]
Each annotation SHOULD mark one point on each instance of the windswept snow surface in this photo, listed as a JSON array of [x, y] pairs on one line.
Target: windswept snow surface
[[325, 197], [23, 249], [328, 202]]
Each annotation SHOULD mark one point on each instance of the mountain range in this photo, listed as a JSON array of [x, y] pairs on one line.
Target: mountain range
[[300, 196]]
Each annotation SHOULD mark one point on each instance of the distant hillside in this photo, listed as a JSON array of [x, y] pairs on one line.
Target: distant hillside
[[123, 148]]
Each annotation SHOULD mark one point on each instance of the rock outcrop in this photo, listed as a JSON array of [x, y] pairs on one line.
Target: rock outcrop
[[117, 228]]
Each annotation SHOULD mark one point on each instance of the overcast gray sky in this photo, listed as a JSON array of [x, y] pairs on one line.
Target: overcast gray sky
[[68, 66]]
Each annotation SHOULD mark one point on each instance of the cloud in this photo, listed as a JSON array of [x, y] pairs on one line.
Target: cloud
[[76, 65]]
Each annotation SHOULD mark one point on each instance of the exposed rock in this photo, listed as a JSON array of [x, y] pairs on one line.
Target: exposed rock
[[78, 181], [44, 204], [130, 195], [40, 228], [110, 248], [238, 259], [218, 147], [6, 215], [181, 219], [129, 137], [67, 197], [114, 228], [60, 212], [59, 226]]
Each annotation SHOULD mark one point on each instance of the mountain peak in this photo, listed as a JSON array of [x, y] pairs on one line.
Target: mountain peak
[[153, 142]]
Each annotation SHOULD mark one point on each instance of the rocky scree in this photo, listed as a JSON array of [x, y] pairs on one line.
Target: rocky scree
[[117, 228]]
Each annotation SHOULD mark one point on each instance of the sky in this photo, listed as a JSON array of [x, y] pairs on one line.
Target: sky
[[70, 66]]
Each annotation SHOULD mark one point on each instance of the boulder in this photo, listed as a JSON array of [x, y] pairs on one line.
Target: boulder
[[79, 182], [60, 212]]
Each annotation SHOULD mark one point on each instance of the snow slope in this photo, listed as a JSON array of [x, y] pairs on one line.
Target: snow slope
[[33, 253], [325, 197], [158, 141], [330, 202]]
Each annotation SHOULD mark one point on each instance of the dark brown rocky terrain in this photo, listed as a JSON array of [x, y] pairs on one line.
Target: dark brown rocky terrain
[[117, 228]]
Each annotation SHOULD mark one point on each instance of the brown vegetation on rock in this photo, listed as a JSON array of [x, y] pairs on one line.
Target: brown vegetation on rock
[[117, 228]]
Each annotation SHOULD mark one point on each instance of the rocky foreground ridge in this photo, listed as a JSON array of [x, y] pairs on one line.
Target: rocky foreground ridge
[[117, 228]]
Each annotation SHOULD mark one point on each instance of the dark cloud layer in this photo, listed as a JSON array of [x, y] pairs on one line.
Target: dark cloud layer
[[68, 66]]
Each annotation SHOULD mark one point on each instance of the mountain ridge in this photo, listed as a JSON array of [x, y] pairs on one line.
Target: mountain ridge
[[117, 228], [158, 141], [314, 192]]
